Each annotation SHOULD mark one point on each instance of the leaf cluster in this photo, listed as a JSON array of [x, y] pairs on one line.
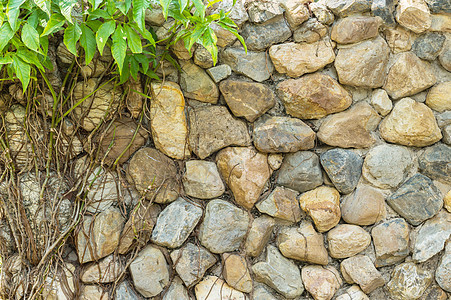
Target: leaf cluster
[[87, 27]]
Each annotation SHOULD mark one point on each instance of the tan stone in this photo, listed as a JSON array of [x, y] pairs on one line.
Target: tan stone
[[167, 120], [154, 175], [236, 272], [225, 37], [93, 292], [398, 39], [297, 59], [245, 171], [196, 84], [296, 12], [355, 29], [353, 293], [323, 206], [381, 102], [99, 235], [409, 75], [439, 98], [413, 15], [347, 240], [411, 124], [447, 201], [120, 140], [303, 243], [359, 269], [107, 270], [282, 204], [363, 64], [259, 235], [351, 128], [213, 288], [391, 241], [180, 51], [134, 100], [365, 206], [247, 99], [321, 282], [440, 22], [202, 180], [313, 96], [275, 160]]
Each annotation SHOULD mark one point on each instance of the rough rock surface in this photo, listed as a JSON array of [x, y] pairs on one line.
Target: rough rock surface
[[435, 162], [202, 180], [236, 272], [258, 37], [438, 97], [365, 206], [408, 281], [347, 240], [259, 235], [213, 287], [391, 241], [196, 84], [255, 65], [359, 269], [414, 15], [282, 203], [321, 282], [443, 272], [313, 96], [355, 29]]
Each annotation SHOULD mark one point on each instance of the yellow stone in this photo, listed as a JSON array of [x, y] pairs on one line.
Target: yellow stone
[[439, 98]]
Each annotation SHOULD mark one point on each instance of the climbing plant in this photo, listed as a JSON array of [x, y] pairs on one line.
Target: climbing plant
[[27, 25]]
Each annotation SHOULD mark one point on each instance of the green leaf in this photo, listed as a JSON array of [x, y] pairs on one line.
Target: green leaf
[[30, 37], [200, 8], [66, 8], [7, 59], [99, 13], [165, 6], [208, 40], [125, 71], [94, 24], [197, 32], [235, 33], [22, 70], [88, 42], [6, 34], [71, 36], [95, 3], [104, 32], [182, 4], [43, 5], [139, 12], [133, 39], [124, 5], [30, 58], [44, 40], [55, 23], [134, 67], [144, 61], [145, 34], [119, 47], [12, 11]]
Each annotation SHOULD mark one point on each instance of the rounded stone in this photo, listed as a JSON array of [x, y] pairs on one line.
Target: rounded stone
[[438, 97], [202, 180], [347, 240], [365, 206], [408, 281], [321, 282]]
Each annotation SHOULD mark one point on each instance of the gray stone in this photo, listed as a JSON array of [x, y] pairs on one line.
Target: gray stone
[[175, 223], [282, 134], [176, 291], [300, 171], [203, 58], [196, 84], [428, 45], [446, 132], [435, 162], [359, 269], [444, 119], [260, 12], [321, 12], [258, 37], [103, 191], [255, 65], [219, 72], [247, 99], [236, 10], [439, 6], [445, 56], [443, 272], [191, 262], [213, 128], [262, 292], [417, 200], [432, 236], [309, 32], [343, 167], [279, 273], [386, 166], [224, 226], [391, 241], [150, 272], [385, 10], [344, 8], [408, 281], [202, 180], [154, 16]]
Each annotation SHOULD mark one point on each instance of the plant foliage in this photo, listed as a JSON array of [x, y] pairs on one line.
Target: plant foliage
[[26, 25]]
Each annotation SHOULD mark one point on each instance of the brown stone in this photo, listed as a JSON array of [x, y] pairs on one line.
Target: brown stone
[[196, 84], [120, 140], [413, 15], [107, 270], [154, 175], [247, 99], [365, 206], [447, 201], [347, 240], [351, 128], [297, 59], [167, 120], [411, 124], [398, 39], [391, 241], [355, 29], [213, 128], [323, 206], [302, 243], [282, 204], [363, 64], [245, 171], [409, 75], [134, 100], [353, 293], [321, 282], [213, 287], [313, 96], [359, 269], [439, 98], [259, 235], [236, 272], [296, 12], [202, 180], [440, 22]]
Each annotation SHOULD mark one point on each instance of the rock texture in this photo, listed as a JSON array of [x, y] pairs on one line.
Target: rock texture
[[347, 240], [202, 180]]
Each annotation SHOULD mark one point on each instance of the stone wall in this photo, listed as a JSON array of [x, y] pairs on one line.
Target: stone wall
[[315, 166]]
